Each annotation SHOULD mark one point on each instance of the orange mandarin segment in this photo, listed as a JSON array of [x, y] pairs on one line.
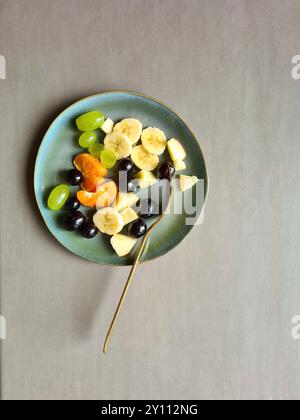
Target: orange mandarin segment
[[90, 183], [91, 168], [89, 165], [103, 197], [87, 199]]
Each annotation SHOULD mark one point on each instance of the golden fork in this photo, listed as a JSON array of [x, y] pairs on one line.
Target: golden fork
[[132, 272]]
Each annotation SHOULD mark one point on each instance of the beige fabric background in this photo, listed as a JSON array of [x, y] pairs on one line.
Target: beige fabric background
[[212, 319]]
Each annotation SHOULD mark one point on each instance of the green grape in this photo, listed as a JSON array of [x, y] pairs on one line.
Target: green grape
[[87, 139], [108, 159], [58, 197], [90, 121], [96, 150]]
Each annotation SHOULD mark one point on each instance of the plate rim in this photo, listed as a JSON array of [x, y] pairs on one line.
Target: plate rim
[[130, 92]]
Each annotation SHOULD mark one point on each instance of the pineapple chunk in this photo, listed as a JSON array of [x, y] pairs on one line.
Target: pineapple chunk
[[107, 126], [176, 150], [125, 200], [187, 182], [122, 244], [145, 178], [129, 215], [179, 165]]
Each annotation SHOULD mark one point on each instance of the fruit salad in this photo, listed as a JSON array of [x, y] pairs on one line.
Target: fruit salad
[[128, 149]]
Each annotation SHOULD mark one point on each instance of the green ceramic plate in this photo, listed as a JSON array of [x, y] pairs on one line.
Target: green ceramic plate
[[60, 145]]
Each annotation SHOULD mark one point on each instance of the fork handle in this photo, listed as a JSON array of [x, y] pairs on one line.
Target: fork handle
[[131, 274], [126, 287]]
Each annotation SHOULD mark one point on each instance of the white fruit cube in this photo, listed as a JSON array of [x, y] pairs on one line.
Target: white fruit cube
[[122, 244], [176, 150], [129, 215], [179, 165], [125, 200], [145, 178], [187, 182], [107, 126]]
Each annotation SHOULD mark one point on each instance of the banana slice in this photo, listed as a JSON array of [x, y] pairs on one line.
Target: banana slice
[[154, 140], [119, 144], [131, 127], [143, 159], [109, 221]]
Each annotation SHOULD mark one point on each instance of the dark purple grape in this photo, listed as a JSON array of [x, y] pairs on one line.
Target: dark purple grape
[[166, 170], [72, 204], [126, 165], [127, 184], [132, 185], [74, 221], [89, 231], [138, 228], [74, 177], [147, 208]]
